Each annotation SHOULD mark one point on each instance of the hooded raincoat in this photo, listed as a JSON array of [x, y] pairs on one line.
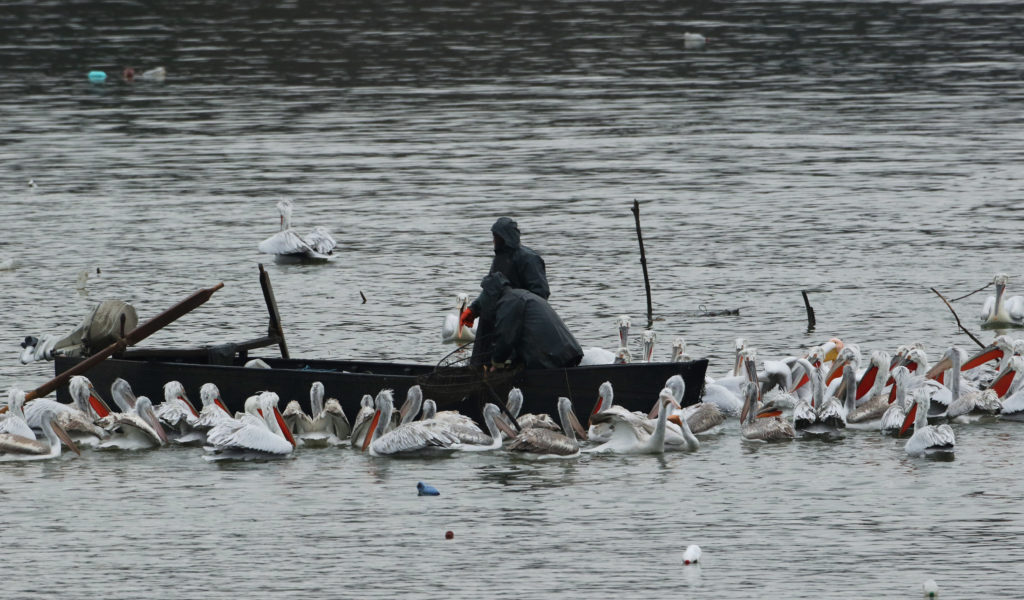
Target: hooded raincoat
[[527, 330]]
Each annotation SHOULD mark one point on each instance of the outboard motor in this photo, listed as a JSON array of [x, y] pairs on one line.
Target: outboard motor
[[100, 328]]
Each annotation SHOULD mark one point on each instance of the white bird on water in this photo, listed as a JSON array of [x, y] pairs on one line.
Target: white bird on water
[[1002, 311], [18, 447], [288, 246], [260, 432], [453, 332]]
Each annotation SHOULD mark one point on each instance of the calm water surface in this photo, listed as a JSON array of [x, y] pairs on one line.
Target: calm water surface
[[862, 151]]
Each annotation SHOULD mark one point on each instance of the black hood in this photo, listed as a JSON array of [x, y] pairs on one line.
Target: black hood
[[492, 287], [508, 231]]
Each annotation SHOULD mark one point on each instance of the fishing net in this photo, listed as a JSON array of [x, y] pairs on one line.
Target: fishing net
[[455, 380]]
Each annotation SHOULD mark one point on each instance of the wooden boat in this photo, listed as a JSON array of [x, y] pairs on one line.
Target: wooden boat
[[452, 387], [467, 389]]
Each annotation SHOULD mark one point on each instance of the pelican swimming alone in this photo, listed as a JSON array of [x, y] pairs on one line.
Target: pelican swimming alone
[[288, 246], [999, 311]]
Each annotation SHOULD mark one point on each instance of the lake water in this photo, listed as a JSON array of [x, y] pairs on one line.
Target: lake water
[[861, 151]]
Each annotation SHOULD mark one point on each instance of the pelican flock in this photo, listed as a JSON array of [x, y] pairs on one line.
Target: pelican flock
[[827, 390]]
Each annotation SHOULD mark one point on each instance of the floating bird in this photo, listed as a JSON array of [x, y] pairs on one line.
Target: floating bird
[[288, 246], [452, 331], [998, 311], [325, 425], [630, 436], [13, 422], [702, 417], [137, 429], [599, 356], [414, 437], [928, 440], [259, 433], [17, 447], [692, 555], [514, 404], [544, 443], [764, 424], [679, 351]]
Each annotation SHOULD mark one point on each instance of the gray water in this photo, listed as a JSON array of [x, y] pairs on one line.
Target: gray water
[[861, 151]]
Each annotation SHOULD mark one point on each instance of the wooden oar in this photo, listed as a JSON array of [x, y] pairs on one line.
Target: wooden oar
[[131, 338]]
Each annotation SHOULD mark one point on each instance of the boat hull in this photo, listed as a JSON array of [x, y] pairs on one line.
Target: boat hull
[[636, 385]]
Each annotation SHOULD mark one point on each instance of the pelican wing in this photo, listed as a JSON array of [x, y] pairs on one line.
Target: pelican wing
[[287, 242], [543, 441], [1015, 308], [704, 417], [298, 422], [16, 426], [210, 416], [320, 241], [414, 436], [336, 423], [173, 413], [248, 433], [17, 444]]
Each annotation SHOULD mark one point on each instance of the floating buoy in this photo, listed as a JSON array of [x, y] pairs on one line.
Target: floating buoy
[[449, 535], [427, 490], [931, 589], [692, 555], [97, 76]]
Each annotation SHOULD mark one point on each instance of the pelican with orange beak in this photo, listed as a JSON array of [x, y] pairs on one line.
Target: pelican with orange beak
[[1002, 312], [259, 433], [414, 437], [16, 447], [928, 440]]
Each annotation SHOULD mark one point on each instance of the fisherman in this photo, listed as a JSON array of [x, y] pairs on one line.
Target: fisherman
[[522, 267], [527, 331]]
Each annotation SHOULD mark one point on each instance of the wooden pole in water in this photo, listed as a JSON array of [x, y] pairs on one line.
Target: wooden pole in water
[[274, 329], [643, 263], [811, 322]]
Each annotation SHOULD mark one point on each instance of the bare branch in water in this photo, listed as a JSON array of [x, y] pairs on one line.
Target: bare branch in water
[[966, 295], [955, 316]]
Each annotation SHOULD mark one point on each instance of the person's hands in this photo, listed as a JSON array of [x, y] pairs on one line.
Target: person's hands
[[467, 318]]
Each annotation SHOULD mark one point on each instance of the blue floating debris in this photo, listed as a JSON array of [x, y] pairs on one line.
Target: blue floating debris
[[97, 76], [427, 490]]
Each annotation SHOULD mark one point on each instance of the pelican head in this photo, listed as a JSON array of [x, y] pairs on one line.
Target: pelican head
[[316, 399], [605, 397], [272, 415], [622, 356], [678, 349], [514, 404], [144, 408], [16, 402], [173, 390], [918, 413], [623, 324], [86, 398], [570, 424], [123, 395], [461, 301], [210, 394], [385, 405], [649, 338], [285, 208], [676, 384], [413, 403]]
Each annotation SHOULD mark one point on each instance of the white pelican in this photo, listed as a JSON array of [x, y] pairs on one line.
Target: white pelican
[[544, 443], [872, 401], [288, 246], [824, 417], [998, 311], [764, 424], [453, 332], [14, 421], [451, 417], [325, 425], [213, 411], [408, 438], [259, 433], [86, 398], [927, 439], [977, 369], [139, 428], [17, 447], [601, 430], [628, 437], [361, 424], [473, 443], [964, 401], [649, 337], [72, 419], [514, 404], [178, 414], [702, 417], [1013, 404], [892, 419], [679, 351], [599, 356]]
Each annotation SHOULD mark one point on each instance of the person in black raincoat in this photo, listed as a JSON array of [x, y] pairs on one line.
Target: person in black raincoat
[[527, 331], [523, 268]]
